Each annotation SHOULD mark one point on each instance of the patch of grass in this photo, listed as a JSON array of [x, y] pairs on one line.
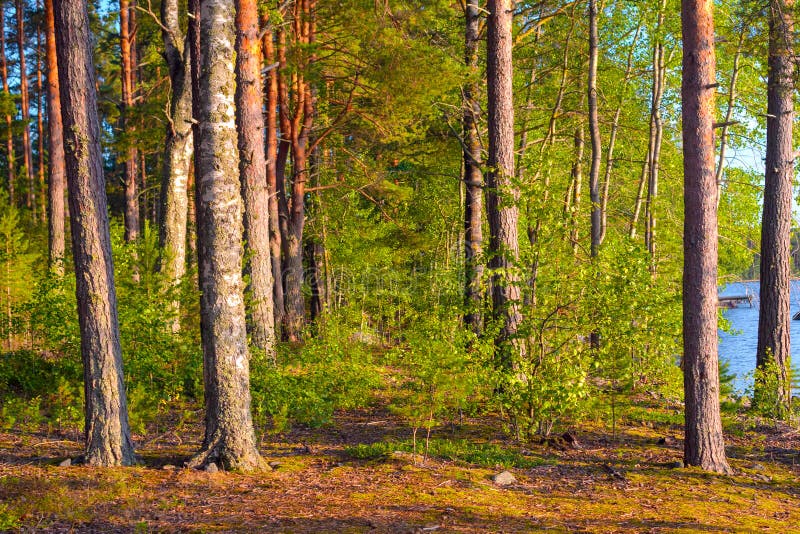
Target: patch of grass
[[8, 518], [481, 454]]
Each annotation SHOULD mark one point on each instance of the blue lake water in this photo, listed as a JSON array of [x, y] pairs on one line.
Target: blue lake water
[[738, 347]]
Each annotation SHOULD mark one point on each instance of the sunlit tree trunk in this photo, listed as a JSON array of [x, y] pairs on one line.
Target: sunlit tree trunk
[[703, 444], [229, 434], [473, 176], [10, 156], [131, 157], [178, 150], [56, 175], [253, 172], [108, 439], [40, 187], [774, 316], [502, 195], [272, 180], [27, 151]]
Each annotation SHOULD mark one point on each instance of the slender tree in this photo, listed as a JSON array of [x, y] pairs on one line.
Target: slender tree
[[178, 149], [10, 156], [253, 173], [502, 195], [108, 439], [473, 176], [272, 168], [703, 445], [594, 132], [27, 151], [131, 158], [56, 176], [229, 435], [774, 317]]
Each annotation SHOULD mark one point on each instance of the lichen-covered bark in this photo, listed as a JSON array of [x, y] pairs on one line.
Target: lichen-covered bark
[[253, 171], [473, 177], [774, 316], [108, 439], [502, 196], [229, 436], [178, 150], [703, 445], [56, 176]]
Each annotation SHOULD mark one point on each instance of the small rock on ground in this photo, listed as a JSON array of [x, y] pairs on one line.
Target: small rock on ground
[[504, 479], [211, 468], [65, 463]]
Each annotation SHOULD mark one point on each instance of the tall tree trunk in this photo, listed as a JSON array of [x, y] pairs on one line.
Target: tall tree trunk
[[108, 439], [703, 445], [774, 317], [56, 175], [473, 177], [502, 195], [30, 199], [40, 187], [594, 132], [299, 128], [272, 181], [131, 158], [11, 158], [573, 197], [229, 435], [656, 136], [253, 171], [178, 150]]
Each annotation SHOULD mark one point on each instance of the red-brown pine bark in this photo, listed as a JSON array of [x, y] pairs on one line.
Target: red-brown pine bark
[[10, 156], [27, 151], [502, 196], [131, 157], [56, 174], [253, 175], [703, 444]]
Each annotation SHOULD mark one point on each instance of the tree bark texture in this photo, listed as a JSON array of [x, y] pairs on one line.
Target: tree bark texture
[[131, 157], [272, 180], [774, 317], [703, 444], [229, 435], [253, 172], [594, 133], [473, 176], [108, 439], [27, 151], [502, 196], [40, 186], [10, 155], [178, 150], [56, 175]]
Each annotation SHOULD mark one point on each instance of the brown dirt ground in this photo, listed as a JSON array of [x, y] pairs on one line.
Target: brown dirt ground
[[627, 485]]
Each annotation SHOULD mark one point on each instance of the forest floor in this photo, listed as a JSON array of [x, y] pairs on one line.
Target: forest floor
[[350, 477]]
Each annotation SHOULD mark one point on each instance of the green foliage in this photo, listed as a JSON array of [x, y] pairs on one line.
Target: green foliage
[[482, 454], [307, 384]]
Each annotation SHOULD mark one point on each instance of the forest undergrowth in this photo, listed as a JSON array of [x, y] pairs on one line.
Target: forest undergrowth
[[359, 473]]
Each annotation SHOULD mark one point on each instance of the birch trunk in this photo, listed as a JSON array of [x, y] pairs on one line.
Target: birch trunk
[[178, 151], [229, 435]]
